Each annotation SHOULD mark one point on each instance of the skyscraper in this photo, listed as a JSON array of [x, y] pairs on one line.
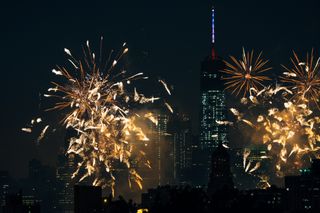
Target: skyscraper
[[164, 150], [65, 168], [159, 151], [180, 130], [213, 103]]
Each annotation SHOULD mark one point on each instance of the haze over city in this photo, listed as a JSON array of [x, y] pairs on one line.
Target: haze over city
[[215, 93]]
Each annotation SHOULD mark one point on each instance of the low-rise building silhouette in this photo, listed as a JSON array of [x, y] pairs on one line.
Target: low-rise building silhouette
[[87, 199], [220, 176], [303, 191]]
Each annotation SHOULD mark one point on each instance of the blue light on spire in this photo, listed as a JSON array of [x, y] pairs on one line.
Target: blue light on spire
[[212, 26]]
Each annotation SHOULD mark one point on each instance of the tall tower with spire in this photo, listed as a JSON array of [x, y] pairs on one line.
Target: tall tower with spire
[[212, 104]]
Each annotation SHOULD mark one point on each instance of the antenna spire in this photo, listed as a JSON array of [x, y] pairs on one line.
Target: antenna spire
[[213, 52]]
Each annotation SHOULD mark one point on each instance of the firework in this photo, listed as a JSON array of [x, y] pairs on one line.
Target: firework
[[303, 78], [289, 130], [99, 102], [245, 73]]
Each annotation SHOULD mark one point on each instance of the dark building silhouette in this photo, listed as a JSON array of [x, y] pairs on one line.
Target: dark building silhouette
[[272, 198], [40, 187], [198, 175], [14, 204], [174, 199], [5, 186], [220, 176], [87, 199], [212, 105], [120, 205], [315, 168], [303, 192]]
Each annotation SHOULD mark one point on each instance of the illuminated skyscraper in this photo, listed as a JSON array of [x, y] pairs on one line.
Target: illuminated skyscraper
[[164, 150], [213, 103], [65, 168], [159, 151], [179, 129]]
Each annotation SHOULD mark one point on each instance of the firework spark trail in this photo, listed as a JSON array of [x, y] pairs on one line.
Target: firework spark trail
[[168, 107], [165, 86], [246, 154], [97, 104], [257, 166], [42, 134], [29, 130], [245, 74], [251, 167]]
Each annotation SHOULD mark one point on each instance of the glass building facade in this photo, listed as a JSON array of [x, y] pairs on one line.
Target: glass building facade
[[213, 107]]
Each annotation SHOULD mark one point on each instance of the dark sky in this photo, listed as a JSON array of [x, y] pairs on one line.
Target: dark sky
[[166, 39]]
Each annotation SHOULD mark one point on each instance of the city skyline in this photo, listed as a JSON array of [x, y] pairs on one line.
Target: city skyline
[[118, 133], [42, 150], [145, 42]]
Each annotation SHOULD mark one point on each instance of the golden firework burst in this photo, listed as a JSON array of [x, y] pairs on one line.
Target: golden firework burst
[[289, 130], [303, 78], [97, 98], [245, 73]]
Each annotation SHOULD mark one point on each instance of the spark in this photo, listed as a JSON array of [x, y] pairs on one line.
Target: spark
[[224, 123], [29, 130], [246, 154], [169, 107], [67, 51], [57, 72], [165, 86], [43, 132], [257, 166], [226, 146], [245, 73], [215, 136]]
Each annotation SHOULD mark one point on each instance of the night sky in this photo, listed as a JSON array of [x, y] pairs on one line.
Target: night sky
[[166, 39]]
